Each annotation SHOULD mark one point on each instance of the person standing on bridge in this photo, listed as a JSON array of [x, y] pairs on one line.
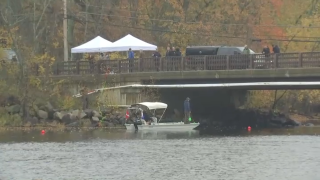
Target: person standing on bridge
[[187, 110], [131, 60], [246, 50]]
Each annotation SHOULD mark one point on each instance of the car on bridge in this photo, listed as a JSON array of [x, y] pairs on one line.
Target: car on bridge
[[236, 58]]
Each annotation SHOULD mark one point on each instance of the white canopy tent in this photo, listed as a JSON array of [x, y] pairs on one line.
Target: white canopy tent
[[93, 46], [127, 42]]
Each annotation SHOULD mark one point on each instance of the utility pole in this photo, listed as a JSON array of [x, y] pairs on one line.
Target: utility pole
[[65, 30]]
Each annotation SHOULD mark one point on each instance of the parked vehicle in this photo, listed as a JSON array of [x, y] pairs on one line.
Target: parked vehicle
[[236, 58]]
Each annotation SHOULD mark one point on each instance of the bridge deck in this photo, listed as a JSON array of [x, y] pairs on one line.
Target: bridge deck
[[190, 64]]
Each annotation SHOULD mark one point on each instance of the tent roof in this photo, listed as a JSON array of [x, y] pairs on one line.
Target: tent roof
[[132, 42], [92, 46]]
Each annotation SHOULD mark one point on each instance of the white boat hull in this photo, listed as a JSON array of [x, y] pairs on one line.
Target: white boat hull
[[164, 126]]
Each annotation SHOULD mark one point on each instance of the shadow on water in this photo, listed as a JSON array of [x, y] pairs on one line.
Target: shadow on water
[[92, 135]]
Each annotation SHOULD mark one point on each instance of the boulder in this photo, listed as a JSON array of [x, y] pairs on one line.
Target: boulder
[[108, 124], [96, 114], [67, 119], [42, 114], [58, 116], [79, 114], [95, 119], [49, 106], [32, 120], [89, 113], [122, 120], [106, 111], [14, 109], [74, 124], [309, 124]]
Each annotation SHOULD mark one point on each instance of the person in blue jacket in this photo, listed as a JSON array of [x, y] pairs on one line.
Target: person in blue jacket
[[187, 110]]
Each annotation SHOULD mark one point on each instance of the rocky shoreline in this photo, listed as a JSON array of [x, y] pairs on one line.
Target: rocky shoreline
[[242, 118], [47, 115]]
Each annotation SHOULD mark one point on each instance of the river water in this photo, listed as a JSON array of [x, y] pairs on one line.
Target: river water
[[292, 154]]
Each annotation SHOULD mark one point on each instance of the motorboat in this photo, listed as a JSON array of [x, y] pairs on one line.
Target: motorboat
[[143, 116]]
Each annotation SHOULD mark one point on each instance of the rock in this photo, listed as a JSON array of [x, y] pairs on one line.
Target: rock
[[108, 124], [106, 111], [79, 114], [96, 114], [42, 114], [58, 116], [74, 124], [73, 117], [95, 119], [89, 113], [122, 120], [66, 119], [51, 114], [35, 107], [49, 106], [15, 109], [115, 121], [309, 124], [32, 120]]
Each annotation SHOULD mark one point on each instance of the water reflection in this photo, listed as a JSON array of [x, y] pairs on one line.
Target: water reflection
[[88, 135], [103, 154]]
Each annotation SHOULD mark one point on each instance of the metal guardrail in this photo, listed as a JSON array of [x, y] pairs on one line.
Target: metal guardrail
[[190, 63]]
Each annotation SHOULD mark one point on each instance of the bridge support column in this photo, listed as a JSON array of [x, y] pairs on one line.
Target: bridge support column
[[124, 96]]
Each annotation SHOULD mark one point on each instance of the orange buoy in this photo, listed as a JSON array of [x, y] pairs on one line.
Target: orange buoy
[[249, 128]]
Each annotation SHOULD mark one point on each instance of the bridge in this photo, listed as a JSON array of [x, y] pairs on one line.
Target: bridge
[[234, 68], [283, 67]]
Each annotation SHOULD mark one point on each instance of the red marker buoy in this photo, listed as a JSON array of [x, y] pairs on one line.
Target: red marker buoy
[[249, 128], [43, 131]]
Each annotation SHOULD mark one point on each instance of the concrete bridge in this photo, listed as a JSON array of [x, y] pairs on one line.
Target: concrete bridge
[[294, 67]]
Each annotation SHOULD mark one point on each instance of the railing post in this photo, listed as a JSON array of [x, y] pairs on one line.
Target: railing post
[[182, 63], [78, 66], [251, 61], [228, 62], [140, 64], [300, 60], [119, 66], [205, 63], [160, 63], [275, 61]]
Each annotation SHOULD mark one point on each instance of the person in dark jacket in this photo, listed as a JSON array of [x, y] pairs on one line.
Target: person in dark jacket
[[275, 49], [266, 51], [156, 55], [187, 110]]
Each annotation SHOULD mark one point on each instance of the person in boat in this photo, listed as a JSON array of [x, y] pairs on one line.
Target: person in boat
[[187, 110], [137, 118]]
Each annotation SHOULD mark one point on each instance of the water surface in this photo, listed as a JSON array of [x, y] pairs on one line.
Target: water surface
[[100, 154]]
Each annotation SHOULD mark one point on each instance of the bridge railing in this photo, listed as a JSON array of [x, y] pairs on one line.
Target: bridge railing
[[190, 63]]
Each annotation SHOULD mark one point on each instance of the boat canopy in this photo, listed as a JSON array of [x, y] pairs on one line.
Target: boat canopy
[[153, 105]]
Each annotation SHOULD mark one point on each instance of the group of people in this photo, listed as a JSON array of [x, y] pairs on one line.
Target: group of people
[[266, 50]]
